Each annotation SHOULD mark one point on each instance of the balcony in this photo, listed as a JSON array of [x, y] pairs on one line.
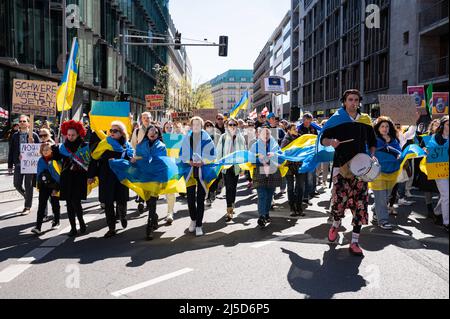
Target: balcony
[[433, 69], [434, 15]]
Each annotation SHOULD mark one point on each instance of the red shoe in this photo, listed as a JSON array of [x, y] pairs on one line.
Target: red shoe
[[333, 234], [355, 250]]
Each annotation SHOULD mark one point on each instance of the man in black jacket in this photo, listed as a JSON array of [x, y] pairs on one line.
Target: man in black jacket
[[14, 157]]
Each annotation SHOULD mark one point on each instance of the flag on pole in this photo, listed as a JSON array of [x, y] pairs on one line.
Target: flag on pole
[[429, 99], [103, 113], [241, 105], [66, 91]]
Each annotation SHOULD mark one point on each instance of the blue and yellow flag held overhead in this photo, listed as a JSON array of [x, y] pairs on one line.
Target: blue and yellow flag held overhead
[[103, 113], [66, 91], [241, 105]]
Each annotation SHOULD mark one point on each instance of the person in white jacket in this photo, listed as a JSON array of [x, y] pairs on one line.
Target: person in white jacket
[[230, 142]]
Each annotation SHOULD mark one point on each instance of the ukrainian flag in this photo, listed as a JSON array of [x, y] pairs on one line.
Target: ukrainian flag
[[104, 113], [241, 105], [173, 144], [69, 81], [391, 167]]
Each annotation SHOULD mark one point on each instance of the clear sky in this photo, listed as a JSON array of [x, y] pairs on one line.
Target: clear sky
[[247, 23]]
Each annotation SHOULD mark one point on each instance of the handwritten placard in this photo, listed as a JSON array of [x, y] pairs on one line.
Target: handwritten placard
[[29, 158], [400, 108], [34, 97], [206, 114]]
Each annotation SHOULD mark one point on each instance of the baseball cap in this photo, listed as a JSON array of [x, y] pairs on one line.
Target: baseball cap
[[270, 115]]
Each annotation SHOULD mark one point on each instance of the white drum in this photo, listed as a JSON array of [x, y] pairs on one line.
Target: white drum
[[365, 168]]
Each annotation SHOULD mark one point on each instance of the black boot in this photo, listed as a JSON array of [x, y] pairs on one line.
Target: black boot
[[72, 233], [149, 232], [292, 209], [299, 210], [122, 212], [83, 227], [155, 219]]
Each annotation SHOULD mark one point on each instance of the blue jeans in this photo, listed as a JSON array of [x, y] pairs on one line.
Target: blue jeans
[[381, 205], [265, 196], [310, 184]]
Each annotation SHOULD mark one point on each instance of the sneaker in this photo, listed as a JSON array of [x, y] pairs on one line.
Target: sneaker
[[192, 226], [26, 211], [83, 228], [386, 226], [230, 213], [124, 223], [268, 219], [249, 185], [404, 202], [110, 233], [55, 225], [293, 213], [36, 231], [307, 202], [208, 203], [392, 211], [355, 250], [198, 231], [261, 222], [169, 219], [408, 194], [140, 208], [333, 234]]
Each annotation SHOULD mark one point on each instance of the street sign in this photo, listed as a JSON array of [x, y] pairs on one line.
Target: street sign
[[34, 97], [274, 84]]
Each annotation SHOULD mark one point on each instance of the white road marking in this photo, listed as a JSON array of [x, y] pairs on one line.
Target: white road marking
[[36, 254], [151, 282], [279, 238], [11, 272]]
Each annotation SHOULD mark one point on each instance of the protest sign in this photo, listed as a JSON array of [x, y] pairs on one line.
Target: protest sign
[[400, 108], [29, 158], [34, 97]]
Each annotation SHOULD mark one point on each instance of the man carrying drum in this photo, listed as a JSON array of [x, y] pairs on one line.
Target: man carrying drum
[[350, 133]]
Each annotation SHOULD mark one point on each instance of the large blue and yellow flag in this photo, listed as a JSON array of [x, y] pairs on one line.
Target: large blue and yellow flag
[[66, 91], [153, 174], [435, 165], [391, 167], [241, 105], [104, 113]]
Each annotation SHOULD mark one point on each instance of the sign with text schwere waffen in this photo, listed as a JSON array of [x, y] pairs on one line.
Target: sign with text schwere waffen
[[400, 108], [34, 97]]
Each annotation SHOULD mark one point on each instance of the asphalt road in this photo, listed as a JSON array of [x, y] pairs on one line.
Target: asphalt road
[[289, 259]]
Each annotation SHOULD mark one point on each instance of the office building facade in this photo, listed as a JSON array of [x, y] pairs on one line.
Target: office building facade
[[336, 45]]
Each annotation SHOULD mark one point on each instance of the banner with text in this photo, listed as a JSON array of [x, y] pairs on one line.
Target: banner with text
[[34, 97]]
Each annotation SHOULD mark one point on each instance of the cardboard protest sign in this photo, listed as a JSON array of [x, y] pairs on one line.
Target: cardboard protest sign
[[206, 114], [34, 97], [400, 108], [29, 158]]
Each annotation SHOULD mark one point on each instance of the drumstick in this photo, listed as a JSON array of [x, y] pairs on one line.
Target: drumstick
[[347, 141]]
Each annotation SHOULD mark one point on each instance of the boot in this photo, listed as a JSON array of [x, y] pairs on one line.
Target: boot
[[230, 213], [292, 209], [299, 210], [149, 231], [154, 224]]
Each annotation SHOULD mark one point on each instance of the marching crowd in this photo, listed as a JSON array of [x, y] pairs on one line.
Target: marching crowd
[[67, 171]]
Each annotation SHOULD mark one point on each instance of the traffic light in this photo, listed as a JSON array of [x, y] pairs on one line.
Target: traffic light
[[223, 45], [177, 40]]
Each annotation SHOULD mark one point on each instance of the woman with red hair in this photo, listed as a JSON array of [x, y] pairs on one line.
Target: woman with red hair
[[75, 157]]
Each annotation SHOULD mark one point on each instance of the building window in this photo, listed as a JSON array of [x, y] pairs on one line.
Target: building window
[[405, 87], [406, 38]]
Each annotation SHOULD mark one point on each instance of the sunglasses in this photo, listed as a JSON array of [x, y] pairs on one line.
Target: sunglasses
[[113, 131], [232, 124], [43, 135]]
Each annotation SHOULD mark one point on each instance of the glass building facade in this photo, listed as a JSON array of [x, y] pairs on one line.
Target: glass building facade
[[32, 47]]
